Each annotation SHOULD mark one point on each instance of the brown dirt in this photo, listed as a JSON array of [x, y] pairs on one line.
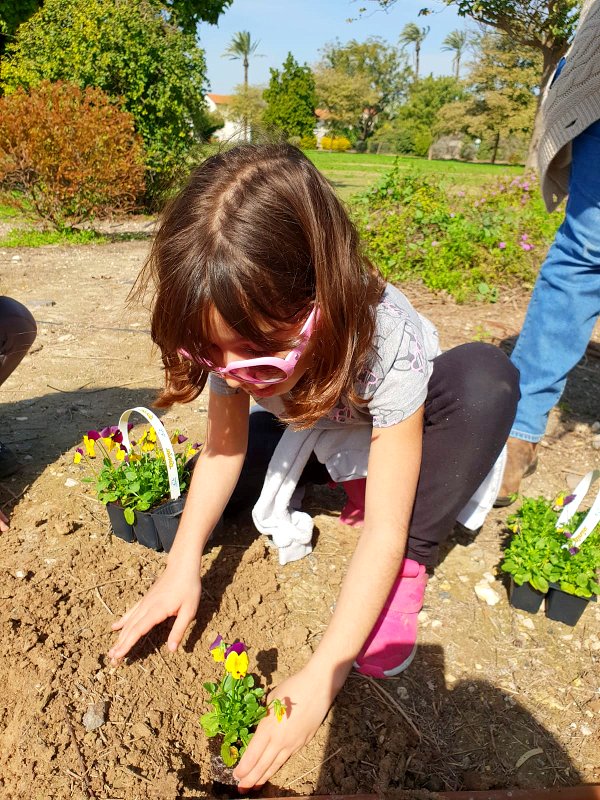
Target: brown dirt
[[494, 698]]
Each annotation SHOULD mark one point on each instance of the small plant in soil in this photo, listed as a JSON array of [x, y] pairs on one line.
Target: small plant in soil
[[238, 705], [539, 553], [136, 479]]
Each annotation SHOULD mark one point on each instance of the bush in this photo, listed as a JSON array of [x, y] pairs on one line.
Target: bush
[[134, 52], [71, 152], [308, 142], [465, 245], [337, 143]]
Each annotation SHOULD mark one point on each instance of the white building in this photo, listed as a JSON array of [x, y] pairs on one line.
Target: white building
[[232, 130]]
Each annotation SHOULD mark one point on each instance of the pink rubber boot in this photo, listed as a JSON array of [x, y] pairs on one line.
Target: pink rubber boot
[[392, 643], [353, 513]]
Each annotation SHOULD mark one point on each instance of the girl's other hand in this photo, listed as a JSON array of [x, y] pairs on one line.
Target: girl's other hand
[[3, 522], [175, 594], [307, 699]]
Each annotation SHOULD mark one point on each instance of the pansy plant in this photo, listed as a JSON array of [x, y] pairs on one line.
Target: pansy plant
[[537, 552], [136, 479], [238, 705]]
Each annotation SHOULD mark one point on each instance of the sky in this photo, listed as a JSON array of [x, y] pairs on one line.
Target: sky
[[304, 26]]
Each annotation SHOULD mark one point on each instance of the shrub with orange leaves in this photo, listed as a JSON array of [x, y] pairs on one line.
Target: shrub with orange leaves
[[71, 153]]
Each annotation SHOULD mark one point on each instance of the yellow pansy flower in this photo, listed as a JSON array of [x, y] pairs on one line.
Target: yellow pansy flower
[[237, 664]]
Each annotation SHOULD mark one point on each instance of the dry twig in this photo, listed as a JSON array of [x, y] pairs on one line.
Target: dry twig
[[304, 774], [83, 777], [392, 700]]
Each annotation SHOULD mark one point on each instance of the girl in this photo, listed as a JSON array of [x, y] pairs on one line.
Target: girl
[[262, 288]]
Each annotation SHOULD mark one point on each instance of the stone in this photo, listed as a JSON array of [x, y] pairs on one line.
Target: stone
[[95, 716], [70, 483], [485, 592]]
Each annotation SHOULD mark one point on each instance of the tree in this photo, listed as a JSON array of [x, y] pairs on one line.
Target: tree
[[247, 106], [12, 14], [349, 100], [361, 83], [242, 47], [291, 99], [412, 34], [456, 42], [131, 52], [188, 13], [411, 131], [500, 96], [544, 25]]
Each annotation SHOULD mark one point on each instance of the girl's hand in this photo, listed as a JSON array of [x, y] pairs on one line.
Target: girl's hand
[[307, 699], [3, 522], [175, 594]]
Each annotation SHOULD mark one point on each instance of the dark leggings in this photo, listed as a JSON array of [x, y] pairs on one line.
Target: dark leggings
[[17, 334], [471, 403]]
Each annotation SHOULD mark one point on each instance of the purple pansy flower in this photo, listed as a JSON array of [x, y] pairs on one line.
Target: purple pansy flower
[[216, 643], [236, 647], [568, 534], [573, 550], [568, 499], [181, 438], [93, 435], [501, 245]]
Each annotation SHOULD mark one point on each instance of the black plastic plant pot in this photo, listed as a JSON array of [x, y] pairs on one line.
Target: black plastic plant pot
[[525, 597], [120, 526], [563, 607], [145, 530], [166, 520], [222, 775]]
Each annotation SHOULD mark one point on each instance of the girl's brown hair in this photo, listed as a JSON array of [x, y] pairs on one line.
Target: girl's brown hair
[[258, 235]]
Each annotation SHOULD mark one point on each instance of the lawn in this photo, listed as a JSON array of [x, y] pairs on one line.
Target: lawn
[[353, 172]]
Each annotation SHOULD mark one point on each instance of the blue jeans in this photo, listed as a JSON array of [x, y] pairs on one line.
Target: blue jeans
[[565, 302]]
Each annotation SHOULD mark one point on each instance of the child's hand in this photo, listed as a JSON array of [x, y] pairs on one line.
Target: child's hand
[[3, 522], [307, 698], [175, 594]]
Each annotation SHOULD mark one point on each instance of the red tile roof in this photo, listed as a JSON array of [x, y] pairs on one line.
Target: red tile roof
[[221, 99]]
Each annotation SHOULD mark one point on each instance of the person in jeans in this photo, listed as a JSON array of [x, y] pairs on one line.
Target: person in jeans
[[17, 334], [565, 302]]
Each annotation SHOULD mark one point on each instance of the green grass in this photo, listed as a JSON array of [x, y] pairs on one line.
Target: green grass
[[351, 173], [8, 212], [22, 237]]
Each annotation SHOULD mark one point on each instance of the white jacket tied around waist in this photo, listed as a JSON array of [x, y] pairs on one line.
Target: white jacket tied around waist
[[345, 453]]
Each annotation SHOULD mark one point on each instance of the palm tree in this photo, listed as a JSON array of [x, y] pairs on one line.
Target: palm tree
[[242, 47], [412, 34], [456, 42]]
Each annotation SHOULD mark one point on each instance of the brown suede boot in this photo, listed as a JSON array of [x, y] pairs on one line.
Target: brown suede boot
[[521, 461]]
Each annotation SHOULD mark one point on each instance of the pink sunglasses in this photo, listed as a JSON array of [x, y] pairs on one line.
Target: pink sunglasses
[[265, 370]]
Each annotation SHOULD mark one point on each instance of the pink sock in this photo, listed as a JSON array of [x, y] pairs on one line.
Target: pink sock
[[353, 512]]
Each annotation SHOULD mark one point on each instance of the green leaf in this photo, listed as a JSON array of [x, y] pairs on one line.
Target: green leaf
[[540, 583], [229, 754], [210, 724], [129, 516], [211, 688]]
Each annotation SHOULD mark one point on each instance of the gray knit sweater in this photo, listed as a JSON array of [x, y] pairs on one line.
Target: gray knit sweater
[[570, 106]]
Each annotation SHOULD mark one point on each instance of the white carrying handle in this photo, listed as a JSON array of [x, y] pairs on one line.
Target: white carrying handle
[[590, 520], [163, 438]]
